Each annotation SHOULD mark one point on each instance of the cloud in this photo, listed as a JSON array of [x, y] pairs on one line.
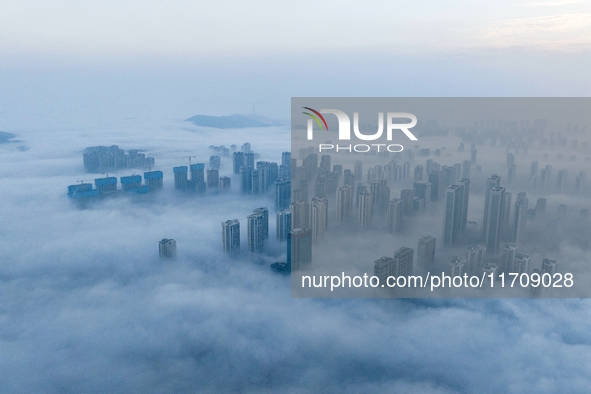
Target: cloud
[[562, 32]]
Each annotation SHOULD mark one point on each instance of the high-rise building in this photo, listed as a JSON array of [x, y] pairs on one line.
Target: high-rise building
[[300, 215], [457, 266], [344, 203], [318, 218], [383, 268], [246, 179], [403, 261], [426, 251], [349, 178], [198, 177], [299, 248], [534, 170], [256, 232], [395, 215], [237, 161], [153, 179], [510, 159], [549, 266], [358, 170], [466, 169], [225, 182], [521, 263], [167, 248], [231, 236], [492, 182], [422, 190], [465, 183], [452, 225], [129, 183], [437, 180], [418, 173], [282, 193], [456, 212], [475, 259], [215, 162], [265, 212], [365, 216], [106, 186], [380, 193], [181, 181], [283, 226], [494, 219], [519, 218], [407, 196], [511, 174], [508, 258], [213, 178]]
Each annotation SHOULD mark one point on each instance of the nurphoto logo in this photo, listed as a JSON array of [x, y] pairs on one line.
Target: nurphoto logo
[[345, 129]]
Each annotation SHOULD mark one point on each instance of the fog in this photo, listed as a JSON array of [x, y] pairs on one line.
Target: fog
[[86, 305]]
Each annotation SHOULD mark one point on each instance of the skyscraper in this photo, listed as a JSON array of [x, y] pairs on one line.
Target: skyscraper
[[422, 190], [508, 258], [283, 225], [365, 216], [494, 219], [466, 168], [167, 248], [407, 196], [213, 178], [231, 236], [246, 179], [237, 162], [395, 214], [282, 193], [344, 203], [403, 261], [318, 218], [426, 251], [492, 182], [181, 181], [256, 232], [519, 218], [521, 263], [265, 212], [300, 215], [452, 219], [153, 179], [437, 180], [475, 259], [299, 248]]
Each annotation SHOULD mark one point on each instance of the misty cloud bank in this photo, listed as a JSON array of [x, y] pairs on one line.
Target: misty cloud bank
[[87, 306]]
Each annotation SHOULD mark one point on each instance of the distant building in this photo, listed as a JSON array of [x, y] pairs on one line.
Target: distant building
[[318, 218], [283, 226], [153, 179], [403, 261], [102, 159], [299, 248], [426, 251], [167, 248], [365, 210], [256, 232], [282, 193], [231, 236], [395, 215]]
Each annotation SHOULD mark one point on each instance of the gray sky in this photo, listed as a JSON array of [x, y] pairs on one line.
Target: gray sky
[[204, 29]]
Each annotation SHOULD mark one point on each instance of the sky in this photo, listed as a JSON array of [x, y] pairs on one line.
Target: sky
[[85, 303]]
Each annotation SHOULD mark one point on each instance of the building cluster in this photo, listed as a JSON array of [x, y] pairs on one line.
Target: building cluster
[[102, 159], [108, 186]]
